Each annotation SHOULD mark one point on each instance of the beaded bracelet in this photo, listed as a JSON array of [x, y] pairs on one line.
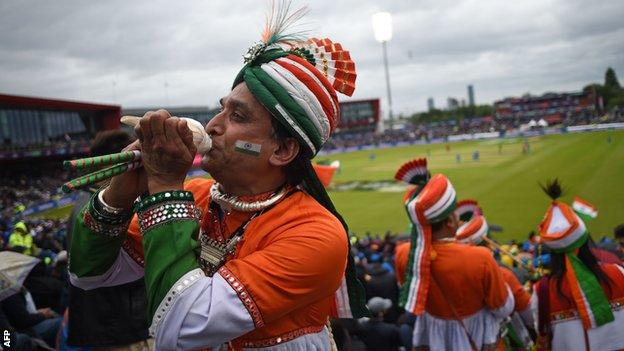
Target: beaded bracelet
[[166, 206], [103, 222], [172, 195], [99, 213], [104, 229]]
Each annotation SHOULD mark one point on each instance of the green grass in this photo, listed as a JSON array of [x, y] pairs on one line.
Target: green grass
[[505, 184], [56, 213]]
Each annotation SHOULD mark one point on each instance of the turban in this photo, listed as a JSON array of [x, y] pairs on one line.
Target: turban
[[433, 204], [298, 86], [467, 209], [473, 231], [564, 232]]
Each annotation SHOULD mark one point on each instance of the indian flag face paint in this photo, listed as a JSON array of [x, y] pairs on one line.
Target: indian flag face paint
[[247, 147]]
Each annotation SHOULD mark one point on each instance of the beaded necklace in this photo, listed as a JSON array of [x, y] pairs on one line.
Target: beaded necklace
[[232, 202]]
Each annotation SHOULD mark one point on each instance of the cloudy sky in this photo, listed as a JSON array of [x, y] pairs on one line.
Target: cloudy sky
[[173, 53]]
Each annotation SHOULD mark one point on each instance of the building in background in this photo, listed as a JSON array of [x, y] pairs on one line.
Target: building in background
[[430, 104], [33, 127], [452, 103], [471, 99], [554, 108]]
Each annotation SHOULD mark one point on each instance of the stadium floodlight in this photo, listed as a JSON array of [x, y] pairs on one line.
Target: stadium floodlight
[[382, 26]]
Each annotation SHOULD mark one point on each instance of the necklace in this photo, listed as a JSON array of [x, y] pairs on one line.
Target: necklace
[[231, 202], [214, 252]]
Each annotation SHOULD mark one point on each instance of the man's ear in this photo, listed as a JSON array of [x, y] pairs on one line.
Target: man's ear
[[452, 222], [285, 152]]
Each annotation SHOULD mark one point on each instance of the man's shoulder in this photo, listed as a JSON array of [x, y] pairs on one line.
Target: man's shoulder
[[476, 252], [304, 207], [300, 212], [477, 256]]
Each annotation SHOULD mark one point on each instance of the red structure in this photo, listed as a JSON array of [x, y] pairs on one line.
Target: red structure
[[359, 115], [38, 127]]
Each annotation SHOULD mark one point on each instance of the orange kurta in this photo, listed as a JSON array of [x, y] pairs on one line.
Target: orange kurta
[[469, 277], [290, 263], [563, 307]]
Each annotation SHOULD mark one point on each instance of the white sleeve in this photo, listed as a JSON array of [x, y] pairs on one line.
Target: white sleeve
[[528, 317], [508, 307], [199, 312], [124, 270]]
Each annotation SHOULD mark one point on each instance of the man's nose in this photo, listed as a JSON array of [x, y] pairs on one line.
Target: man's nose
[[215, 125]]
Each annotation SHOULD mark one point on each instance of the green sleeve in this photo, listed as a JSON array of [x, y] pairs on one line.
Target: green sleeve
[[170, 252], [91, 253]]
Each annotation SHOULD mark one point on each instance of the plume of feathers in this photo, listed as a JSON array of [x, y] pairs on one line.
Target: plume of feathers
[[414, 172], [280, 20], [552, 188], [467, 209]]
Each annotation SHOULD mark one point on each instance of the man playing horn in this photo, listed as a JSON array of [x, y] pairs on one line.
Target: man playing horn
[[257, 257]]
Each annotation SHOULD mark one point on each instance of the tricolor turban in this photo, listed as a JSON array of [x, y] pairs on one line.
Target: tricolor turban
[[472, 232], [435, 203], [298, 86], [297, 81], [467, 209], [564, 232]]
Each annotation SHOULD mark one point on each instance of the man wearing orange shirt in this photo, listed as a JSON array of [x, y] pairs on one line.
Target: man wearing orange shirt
[[257, 257], [522, 322], [458, 306]]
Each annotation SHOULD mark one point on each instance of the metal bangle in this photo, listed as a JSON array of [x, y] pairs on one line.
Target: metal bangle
[[106, 207]]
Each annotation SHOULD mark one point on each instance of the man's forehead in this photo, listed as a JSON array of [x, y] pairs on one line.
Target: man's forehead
[[237, 102], [241, 98]]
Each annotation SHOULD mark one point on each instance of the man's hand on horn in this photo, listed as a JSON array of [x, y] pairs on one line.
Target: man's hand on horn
[[167, 150]]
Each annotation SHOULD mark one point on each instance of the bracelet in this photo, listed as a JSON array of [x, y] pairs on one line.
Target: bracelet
[[104, 219], [110, 230], [164, 212], [165, 196], [106, 207]]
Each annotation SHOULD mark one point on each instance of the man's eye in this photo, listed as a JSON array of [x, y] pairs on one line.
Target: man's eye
[[238, 117]]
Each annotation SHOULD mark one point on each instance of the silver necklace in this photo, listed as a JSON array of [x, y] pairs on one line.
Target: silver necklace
[[231, 202]]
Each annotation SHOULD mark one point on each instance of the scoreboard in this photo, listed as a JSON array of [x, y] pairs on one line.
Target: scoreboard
[[359, 114]]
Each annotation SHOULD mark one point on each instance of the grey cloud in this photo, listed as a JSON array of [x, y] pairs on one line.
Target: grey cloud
[[126, 51]]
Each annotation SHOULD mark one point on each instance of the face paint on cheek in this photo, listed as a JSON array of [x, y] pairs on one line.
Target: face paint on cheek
[[247, 147]]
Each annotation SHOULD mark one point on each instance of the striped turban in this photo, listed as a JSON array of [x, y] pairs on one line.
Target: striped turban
[[298, 87], [435, 203], [564, 232], [467, 209], [472, 232]]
